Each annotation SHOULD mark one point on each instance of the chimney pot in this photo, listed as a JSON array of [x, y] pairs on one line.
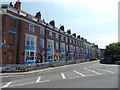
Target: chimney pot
[[78, 36], [74, 34], [62, 28], [18, 5], [52, 23], [38, 15], [11, 4], [69, 31]]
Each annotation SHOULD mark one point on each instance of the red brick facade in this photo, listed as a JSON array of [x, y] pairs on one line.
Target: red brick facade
[[20, 29]]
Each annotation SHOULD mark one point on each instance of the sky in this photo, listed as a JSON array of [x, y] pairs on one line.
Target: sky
[[95, 20]]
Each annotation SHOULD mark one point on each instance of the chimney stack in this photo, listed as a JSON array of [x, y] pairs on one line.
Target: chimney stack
[[82, 38], [62, 28], [74, 34], [85, 40], [38, 15], [11, 4], [52, 23], [69, 31], [18, 5], [78, 36]]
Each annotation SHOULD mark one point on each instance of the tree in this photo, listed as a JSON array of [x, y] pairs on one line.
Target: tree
[[112, 51]]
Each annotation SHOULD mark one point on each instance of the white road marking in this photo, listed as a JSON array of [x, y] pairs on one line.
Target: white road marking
[[38, 80], [114, 68], [109, 65], [24, 79], [74, 77], [45, 81], [7, 84], [106, 70], [28, 83], [63, 76], [79, 73], [91, 75], [92, 71]]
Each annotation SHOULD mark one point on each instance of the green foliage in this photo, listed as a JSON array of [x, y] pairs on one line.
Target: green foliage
[[113, 51]]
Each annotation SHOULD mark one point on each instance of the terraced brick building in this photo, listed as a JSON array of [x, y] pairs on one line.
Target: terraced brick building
[[28, 39]]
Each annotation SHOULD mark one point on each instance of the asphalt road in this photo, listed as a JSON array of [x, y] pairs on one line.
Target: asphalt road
[[83, 75]]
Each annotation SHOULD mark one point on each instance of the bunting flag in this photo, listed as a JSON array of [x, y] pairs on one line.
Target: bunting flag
[[74, 54], [44, 21], [79, 54]]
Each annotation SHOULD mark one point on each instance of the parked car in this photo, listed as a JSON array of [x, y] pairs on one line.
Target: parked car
[[106, 61], [117, 62]]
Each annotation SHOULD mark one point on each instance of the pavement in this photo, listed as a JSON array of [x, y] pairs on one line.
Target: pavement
[[82, 75], [41, 70]]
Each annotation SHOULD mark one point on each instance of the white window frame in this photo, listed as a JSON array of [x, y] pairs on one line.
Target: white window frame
[[29, 55], [42, 31], [31, 29], [50, 34], [49, 53], [66, 39], [71, 47], [51, 44], [62, 46], [70, 40], [57, 36], [62, 37], [57, 45], [31, 36], [42, 41], [66, 47]]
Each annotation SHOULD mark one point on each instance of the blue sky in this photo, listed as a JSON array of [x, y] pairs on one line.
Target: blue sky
[[95, 20]]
